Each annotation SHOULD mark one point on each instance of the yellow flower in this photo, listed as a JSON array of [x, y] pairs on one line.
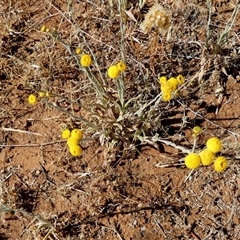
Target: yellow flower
[[66, 133], [192, 160], [41, 94], [78, 50], [174, 83], [43, 28], [196, 131], [113, 71], [85, 60], [214, 144], [32, 99], [48, 94], [54, 32], [166, 87], [77, 133], [167, 96], [75, 150], [220, 164], [207, 157], [180, 79], [177, 93], [72, 142], [162, 79], [121, 66]]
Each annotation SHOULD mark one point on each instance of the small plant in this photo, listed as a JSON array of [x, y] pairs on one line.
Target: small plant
[[112, 117]]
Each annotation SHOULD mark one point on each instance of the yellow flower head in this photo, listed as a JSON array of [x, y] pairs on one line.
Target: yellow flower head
[[77, 133], [54, 32], [167, 97], [166, 87], [113, 71], [196, 131], [162, 79], [192, 160], [48, 94], [75, 150], [43, 28], [177, 93], [41, 94], [180, 79], [72, 142], [220, 164], [207, 157], [78, 50], [174, 83], [85, 60], [214, 144], [121, 66], [66, 133], [32, 99]]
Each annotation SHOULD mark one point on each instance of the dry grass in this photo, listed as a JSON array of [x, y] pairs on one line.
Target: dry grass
[[117, 190]]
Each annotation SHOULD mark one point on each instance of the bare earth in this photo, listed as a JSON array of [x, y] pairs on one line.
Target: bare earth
[[134, 190]]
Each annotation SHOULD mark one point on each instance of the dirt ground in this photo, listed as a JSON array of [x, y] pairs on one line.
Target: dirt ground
[[125, 189]]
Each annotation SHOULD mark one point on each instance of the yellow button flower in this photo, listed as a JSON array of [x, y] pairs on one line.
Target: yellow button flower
[[85, 60], [113, 71], [207, 157], [214, 144], [220, 164], [162, 79], [192, 160], [78, 50], [177, 93], [121, 66], [66, 133], [43, 28], [75, 150], [77, 133], [41, 94], [167, 96], [72, 141], [180, 79], [196, 131], [166, 87], [174, 83], [32, 99]]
